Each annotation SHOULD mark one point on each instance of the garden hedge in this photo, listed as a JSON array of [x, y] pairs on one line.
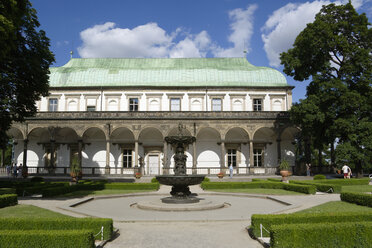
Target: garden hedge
[[274, 179], [346, 182], [319, 177], [8, 200], [132, 186], [4, 191], [322, 235], [269, 220], [320, 186], [307, 189], [47, 239], [54, 191], [358, 198], [92, 224]]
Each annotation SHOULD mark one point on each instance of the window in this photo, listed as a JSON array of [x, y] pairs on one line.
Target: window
[[154, 105], [72, 105], [53, 104], [196, 105], [257, 104], [237, 105], [216, 104], [112, 105], [127, 158], [91, 108], [277, 105], [175, 104], [231, 157], [257, 157], [133, 104]]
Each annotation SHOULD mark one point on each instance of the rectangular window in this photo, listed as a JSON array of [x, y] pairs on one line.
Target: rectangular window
[[133, 104], [257, 155], [257, 104], [53, 104], [216, 104], [91, 108], [175, 104], [231, 157], [127, 158]]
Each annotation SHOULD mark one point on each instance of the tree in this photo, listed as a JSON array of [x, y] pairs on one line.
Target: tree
[[24, 63], [335, 52]]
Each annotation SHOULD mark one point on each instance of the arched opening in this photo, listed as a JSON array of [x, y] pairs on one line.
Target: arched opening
[[152, 141], [264, 148], [237, 147], [208, 148], [94, 153], [122, 151]]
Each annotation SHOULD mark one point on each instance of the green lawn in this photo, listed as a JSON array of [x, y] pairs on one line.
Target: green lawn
[[336, 207], [23, 211], [357, 188], [102, 192], [259, 191]]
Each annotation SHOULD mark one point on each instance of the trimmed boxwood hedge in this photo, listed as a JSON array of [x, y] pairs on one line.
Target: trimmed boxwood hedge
[[92, 224], [307, 189], [269, 220], [8, 200], [47, 238], [274, 179], [54, 191], [4, 191], [319, 177], [320, 186], [132, 186], [322, 235], [358, 198]]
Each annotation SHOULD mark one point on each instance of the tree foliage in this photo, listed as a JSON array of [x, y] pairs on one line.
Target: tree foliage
[[335, 53], [24, 63]]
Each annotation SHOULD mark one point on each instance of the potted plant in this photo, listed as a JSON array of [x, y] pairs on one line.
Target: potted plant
[[75, 169], [284, 170], [221, 174], [138, 175]]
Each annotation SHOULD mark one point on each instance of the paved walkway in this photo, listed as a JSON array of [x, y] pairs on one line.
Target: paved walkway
[[215, 228]]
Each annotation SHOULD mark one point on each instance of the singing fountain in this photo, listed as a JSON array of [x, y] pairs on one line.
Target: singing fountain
[[180, 181]]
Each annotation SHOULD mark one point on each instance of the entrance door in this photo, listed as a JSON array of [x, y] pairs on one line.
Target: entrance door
[[153, 164]]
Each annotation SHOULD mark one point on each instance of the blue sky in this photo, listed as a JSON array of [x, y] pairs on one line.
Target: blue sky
[[170, 28]]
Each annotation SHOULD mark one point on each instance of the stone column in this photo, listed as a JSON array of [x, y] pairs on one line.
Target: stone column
[[251, 158], [136, 153], [107, 168], [80, 149], [52, 149], [194, 159], [25, 143], [223, 153], [165, 158], [279, 150]]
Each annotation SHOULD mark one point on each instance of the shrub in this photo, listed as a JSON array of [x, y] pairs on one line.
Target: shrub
[[206, 179], [92, 224], [327, 235], [4, 191], [47, 238], [257, 179], [320, 186], [269, 220], [54, 191], [358, 198], [37, 179], [154, 180], [132, 186], [8, 200], [319, 177], [274, 179], [307, 189]]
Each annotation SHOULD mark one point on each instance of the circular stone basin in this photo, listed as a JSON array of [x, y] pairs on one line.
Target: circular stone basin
[[158, 205], [180, 180]]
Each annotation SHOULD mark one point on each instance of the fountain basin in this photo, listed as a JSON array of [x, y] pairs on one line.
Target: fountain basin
[[180, 180]]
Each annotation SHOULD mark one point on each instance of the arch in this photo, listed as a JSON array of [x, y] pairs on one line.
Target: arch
[[237, 134], [15, 133], [151, 136], [277, 105], [122, 135], [287, 138], [196, 105], [94, 154], [154, 105], [208, 149], [208, 131], [265, 143]]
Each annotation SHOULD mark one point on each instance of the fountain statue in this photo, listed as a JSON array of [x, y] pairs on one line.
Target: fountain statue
[[180, 181]]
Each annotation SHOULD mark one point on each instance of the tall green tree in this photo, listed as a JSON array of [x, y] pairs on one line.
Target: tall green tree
[[24, 63], [335, 53]]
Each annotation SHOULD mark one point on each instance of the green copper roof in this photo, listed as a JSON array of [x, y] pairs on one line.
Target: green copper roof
[[180, 72]]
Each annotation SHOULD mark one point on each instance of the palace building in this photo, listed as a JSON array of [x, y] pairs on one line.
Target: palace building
[[113, 114]]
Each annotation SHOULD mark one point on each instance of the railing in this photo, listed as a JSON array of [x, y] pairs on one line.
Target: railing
[[123, 115], [116, 171]]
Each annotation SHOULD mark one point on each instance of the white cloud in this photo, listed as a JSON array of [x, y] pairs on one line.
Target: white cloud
[[150, 40], [242, 30], [283, 26]]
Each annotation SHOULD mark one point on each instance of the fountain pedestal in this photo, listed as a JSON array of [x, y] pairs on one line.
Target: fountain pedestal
[[180, 181]]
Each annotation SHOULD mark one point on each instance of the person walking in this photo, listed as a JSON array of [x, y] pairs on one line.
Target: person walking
[[308, 169], [15, 170], [231, 169]]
